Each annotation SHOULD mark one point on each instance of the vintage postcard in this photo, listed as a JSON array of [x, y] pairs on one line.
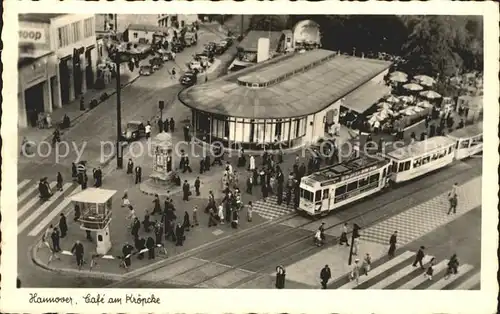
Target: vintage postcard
[[196, 157]]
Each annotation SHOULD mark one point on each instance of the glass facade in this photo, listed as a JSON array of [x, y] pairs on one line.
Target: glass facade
[[249, 133]]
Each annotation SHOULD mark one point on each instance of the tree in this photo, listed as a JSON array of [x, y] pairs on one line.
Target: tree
[[268, 22]]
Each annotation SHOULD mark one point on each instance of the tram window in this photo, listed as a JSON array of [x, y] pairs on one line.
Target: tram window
[[394, 167], [352, 186], [464, 144], [306, 194], [317, 197], [401, 167], [407, 165], [442, 154], [417, 163], [375, 177], [363, 182], [477, 141], [340, 190], [426, 160], [325, 194], [434, 156]]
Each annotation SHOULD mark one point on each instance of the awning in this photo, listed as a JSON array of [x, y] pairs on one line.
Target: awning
[[365, 96]]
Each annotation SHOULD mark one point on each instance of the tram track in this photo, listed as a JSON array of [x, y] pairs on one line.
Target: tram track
[[449, 180], [223, 253]]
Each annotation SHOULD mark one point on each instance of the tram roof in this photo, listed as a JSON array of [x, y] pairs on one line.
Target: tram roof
[[335, 172], [468, 131], [292, 85], [420, 147]]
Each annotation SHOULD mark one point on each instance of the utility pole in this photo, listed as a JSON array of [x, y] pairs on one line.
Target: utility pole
[[119, 155]]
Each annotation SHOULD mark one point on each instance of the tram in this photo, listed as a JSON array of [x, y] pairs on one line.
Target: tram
[[419, 158], [468, 141], [343, 183]]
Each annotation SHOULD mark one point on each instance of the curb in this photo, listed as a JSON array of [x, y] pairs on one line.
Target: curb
[[86, 273]]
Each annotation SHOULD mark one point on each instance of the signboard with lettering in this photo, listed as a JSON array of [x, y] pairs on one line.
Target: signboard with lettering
[[307, 182], [31, 35]]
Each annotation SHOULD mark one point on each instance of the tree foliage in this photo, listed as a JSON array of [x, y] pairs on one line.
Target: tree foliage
[[434, 45]]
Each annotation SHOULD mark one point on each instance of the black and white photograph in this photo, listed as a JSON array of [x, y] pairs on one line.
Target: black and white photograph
[[163, 152]]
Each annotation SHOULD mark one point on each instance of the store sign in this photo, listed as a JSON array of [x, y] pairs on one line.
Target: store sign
[[32, 35]]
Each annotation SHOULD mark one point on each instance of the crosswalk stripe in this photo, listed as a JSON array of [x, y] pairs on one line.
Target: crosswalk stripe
[[41, 209], [397, 275], [440, 284], [421, 278], [22, 184], [32, 202], [52, 215], [27, 193], [380, 269], [470, 282]]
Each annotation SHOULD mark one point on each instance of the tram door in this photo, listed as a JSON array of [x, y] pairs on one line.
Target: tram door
[[322, 200]]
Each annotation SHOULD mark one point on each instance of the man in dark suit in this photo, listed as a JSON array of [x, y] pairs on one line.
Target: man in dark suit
[[419, 257], [138, 174]]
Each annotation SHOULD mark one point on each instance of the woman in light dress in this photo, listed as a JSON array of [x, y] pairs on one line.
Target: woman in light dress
[[355, 272], [125, 200], [249, 211], [220, 213], [367, 264]]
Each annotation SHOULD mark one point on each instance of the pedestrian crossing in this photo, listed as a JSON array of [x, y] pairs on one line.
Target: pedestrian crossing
[[399, 273], [34, 214], [425, 217], [270, 209]]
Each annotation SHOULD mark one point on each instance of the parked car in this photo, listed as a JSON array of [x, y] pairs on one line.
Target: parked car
[[229, 41], [146, 70], [189, 78], [177, 47], [134, 131], [190, 39], [196, 65], [219, 49]]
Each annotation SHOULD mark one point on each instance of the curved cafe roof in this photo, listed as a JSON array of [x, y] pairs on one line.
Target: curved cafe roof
[[292, 85]]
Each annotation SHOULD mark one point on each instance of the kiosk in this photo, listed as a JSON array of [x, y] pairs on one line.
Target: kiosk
[[96, 209]]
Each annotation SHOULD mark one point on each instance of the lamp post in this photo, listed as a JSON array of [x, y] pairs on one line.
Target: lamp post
[[119, 155], [355, 234]]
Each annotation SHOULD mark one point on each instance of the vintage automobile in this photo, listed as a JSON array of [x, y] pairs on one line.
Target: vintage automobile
[[146, 70], [196, 65], [156, 63], [189, 78], [134, 131]]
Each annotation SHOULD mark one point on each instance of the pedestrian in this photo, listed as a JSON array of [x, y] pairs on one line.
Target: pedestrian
[[82, 104], [63, 226], [172, 125], [325, 275], [55, 240], [195, 217], [317, 238], [252, 163], [148, 130], [367, 264], [235, 217], [45, 238], [166, 126], [156, 205], [136, 225], [74, 172], [138, 174], [186, 224], [130, 166], [392, 244], [343, 235], [249, 211], [453, 204], [419, 257], [127, 253], [454, 190], [146, 223], [202, 165], [212, 218], [59, 185], [150, 245], [89, 236], [280, 277], [179, 235], [354, 275], [355, 246], [430, 270], [185, 191], [173, 73], [452, 266], [78, 251], [160, 126], [125, 200], [85, 181], [220, 214], [197, 184], [140, 244], [265, 191]]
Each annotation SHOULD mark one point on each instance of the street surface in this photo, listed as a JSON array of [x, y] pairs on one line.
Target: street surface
[[139, 102], [249, 261]]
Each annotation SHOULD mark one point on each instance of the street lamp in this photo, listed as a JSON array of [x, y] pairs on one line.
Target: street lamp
[[355, 235]]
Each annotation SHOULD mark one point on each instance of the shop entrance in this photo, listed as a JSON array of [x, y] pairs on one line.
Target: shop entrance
[[33, 98], [64, 80], [89, 73]]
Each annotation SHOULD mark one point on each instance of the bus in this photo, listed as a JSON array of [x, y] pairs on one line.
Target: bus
[[468, 140], [421, 157], [343, 183]]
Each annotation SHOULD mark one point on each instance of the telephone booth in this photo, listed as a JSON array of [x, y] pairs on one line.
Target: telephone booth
[[96, 211]]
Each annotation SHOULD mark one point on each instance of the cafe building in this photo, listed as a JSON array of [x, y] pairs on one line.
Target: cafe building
[[293, 100], [57, 60]]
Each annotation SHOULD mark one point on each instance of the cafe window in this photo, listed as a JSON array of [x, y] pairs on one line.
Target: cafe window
[[407, 165], [401, 167], [77, 32], [325, 194], [340, 190], [352, 186], [63, 36], [375, 178], [277, 129], [88, 27], [317, 196]]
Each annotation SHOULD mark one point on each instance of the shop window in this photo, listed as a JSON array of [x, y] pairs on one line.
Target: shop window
[[325, 194], [374, 178], [352, 186], [407, 165], [340, 190], [317, 196]]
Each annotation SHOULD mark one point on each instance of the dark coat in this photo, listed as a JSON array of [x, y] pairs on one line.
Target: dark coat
[[62, 224], [325, 274], [77, 249]]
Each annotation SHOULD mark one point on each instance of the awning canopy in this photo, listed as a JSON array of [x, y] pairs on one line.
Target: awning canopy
[[365, 96]]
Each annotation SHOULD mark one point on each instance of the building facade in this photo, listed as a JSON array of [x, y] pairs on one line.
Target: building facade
[[176, 20], [57, 61]]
